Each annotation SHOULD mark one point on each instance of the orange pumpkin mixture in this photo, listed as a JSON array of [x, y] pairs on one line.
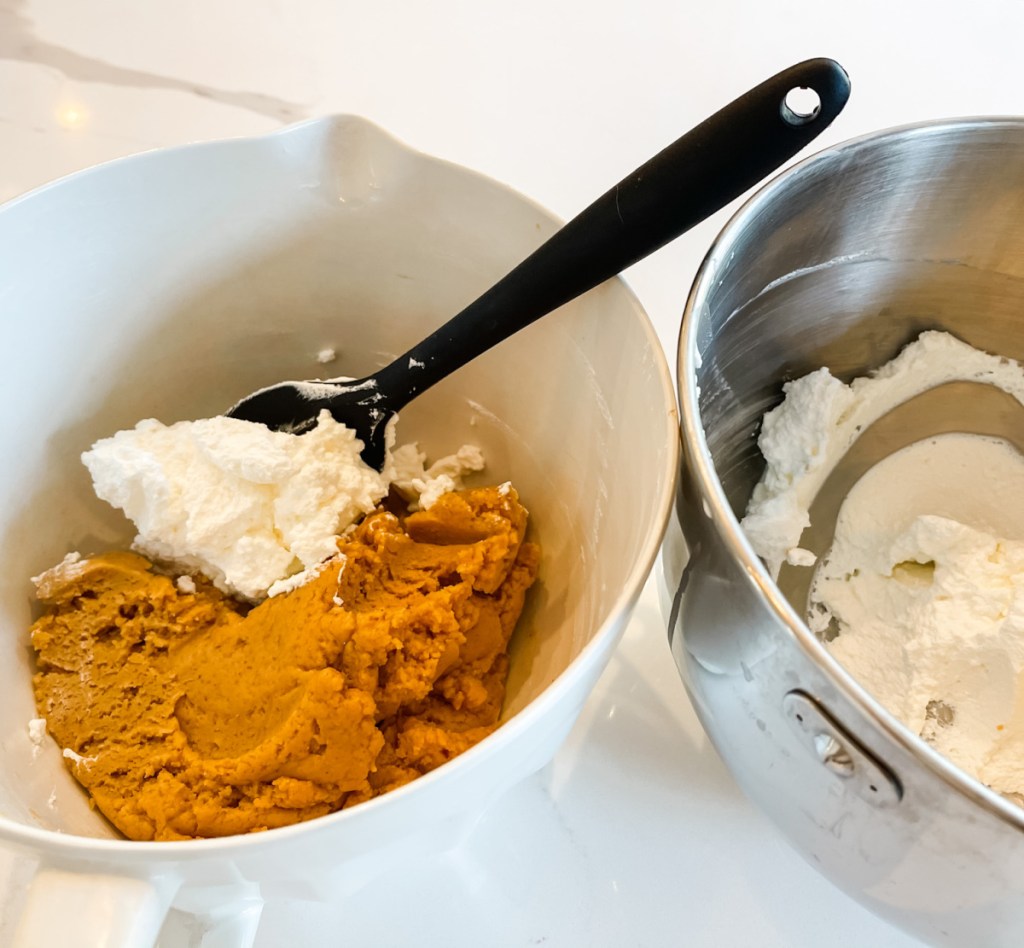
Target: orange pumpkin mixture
[[187, 714]]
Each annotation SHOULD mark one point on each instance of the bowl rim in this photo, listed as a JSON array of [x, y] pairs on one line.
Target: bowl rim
[[697, 457], [163, 855]]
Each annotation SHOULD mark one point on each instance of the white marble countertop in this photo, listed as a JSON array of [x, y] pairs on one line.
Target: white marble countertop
[[636, 834]]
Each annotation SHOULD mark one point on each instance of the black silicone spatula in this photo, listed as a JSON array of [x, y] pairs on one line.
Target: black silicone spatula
[[691, 179]]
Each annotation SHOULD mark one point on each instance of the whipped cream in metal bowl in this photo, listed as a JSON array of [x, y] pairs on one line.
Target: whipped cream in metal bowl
[[920, 593]]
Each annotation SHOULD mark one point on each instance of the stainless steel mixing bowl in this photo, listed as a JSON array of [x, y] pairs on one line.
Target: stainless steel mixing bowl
[[840, 261]]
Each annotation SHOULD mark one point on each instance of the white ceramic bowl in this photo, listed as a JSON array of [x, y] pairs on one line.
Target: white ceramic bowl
[[172, 283]]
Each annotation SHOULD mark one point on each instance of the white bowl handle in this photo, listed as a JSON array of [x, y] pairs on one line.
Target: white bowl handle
[[90, 910]]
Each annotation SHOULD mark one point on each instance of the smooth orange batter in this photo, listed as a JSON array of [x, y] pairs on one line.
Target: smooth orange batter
[[189, 716]]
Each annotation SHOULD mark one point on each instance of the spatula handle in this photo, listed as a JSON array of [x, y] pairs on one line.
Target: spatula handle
[[691, 179]]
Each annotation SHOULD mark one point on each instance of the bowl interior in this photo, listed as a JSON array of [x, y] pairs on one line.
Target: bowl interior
[[170, 284], [846, 258]]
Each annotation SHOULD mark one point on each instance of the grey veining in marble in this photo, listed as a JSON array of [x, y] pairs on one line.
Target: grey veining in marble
[[18, 42]]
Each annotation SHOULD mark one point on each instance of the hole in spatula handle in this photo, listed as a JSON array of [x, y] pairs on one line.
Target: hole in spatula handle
[[800, 106]]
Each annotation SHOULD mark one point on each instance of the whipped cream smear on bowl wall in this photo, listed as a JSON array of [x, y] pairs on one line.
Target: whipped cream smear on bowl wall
[[180, 280]]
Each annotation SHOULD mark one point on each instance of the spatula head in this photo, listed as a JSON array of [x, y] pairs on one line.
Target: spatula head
[[293, 407]]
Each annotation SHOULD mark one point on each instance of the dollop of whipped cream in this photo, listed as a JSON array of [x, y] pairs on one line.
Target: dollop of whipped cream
[[249, 507], [805, 436]]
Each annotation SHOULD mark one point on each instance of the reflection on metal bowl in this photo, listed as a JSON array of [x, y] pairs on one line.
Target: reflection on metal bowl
[[841, 261]]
